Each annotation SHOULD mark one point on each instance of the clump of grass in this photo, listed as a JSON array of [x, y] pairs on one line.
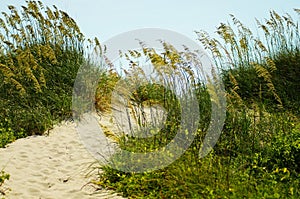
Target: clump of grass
[[41, 49], [106, 85], [257, 153], [147, 94], [267, 61]]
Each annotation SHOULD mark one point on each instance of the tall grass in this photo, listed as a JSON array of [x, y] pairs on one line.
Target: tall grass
[[257, 155], [41, 49], [269, 61], [149, 94]]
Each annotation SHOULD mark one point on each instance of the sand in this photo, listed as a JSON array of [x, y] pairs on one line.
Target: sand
[[52, 166], [61, 164]]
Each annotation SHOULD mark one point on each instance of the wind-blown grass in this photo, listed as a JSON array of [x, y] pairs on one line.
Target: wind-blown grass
[[41, 49], [257, 155]]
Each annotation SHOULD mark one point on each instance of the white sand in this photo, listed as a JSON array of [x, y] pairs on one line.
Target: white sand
[[53, 167], [59, 165]]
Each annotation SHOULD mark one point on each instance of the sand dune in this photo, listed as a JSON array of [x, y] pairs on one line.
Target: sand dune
[[60, 164], [50, 167]]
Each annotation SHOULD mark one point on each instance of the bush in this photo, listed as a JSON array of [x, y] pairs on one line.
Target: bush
[[7, 135]]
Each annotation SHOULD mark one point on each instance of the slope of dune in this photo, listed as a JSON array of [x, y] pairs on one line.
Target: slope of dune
[[52, 166]]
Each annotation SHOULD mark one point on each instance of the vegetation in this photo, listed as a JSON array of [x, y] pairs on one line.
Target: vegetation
[[258, 153], [41, 50], [3, 176]]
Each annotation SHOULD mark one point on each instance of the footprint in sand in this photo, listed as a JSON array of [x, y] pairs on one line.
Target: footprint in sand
[[50, 167]]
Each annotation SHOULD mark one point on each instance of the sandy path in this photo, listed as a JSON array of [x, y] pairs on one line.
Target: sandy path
[[59, 166], [53, 167]]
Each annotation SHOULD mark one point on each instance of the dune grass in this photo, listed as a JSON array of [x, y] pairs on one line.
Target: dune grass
[[41, 49], [257, 155]]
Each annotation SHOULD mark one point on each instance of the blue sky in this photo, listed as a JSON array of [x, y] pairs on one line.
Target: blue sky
[[105, 19]]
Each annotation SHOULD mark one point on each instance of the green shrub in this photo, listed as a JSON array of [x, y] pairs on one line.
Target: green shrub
[[285, 149], [7, 135]]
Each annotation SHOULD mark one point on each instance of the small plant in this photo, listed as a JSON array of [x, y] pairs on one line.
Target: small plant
[[7, 134], [3, 177]]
